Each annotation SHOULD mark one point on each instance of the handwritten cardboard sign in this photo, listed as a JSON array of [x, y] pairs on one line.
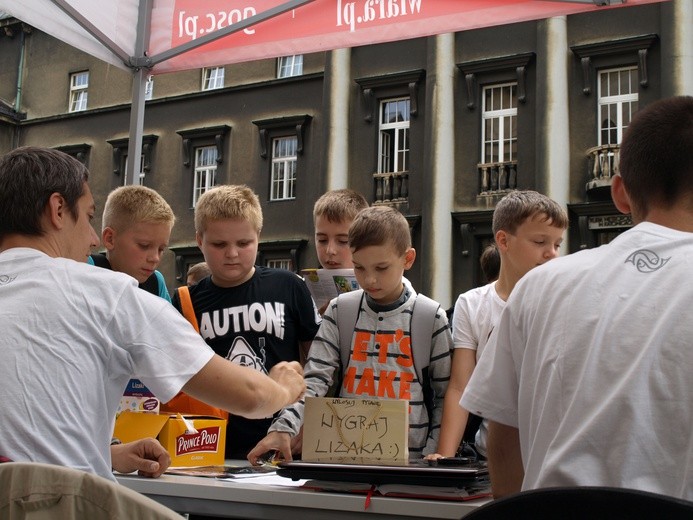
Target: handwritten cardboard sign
[[362, 430]]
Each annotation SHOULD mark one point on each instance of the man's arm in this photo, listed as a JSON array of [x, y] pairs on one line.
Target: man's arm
[[504, 459], [244, 391]]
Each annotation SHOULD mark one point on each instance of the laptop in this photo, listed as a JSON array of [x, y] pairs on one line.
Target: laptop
[[413, 472]]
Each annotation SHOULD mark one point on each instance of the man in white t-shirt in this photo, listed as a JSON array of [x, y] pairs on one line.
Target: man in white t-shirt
[[74, 334], [588, 378]]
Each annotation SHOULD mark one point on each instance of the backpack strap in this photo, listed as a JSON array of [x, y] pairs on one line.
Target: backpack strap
[[422, 322], [348, 307], [423, 318], [186, 306]]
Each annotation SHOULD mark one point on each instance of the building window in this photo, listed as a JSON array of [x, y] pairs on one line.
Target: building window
[[280, 263], [282, 254], [120, 160], [205, 170], [288, 66], [149, 88], [618, 101], [139, 178], [212, 78], [284, 160], [79, 83], [393, 145], [499, 123]]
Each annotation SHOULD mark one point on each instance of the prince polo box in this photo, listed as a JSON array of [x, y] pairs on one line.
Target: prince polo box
[[204, 448]]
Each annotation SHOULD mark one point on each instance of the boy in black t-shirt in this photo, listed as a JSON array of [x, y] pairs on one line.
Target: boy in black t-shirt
[[253, 315]]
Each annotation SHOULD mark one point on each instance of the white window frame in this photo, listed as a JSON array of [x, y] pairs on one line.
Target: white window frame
[[140, 174], [205, 171], [288, 66], [280, 263], [620, 101], [499, 116], [149, 88], [284, 167], [212, 78], [79, 93], [397, 130]]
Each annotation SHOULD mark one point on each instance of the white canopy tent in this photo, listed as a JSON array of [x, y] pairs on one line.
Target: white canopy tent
[[157, 36]]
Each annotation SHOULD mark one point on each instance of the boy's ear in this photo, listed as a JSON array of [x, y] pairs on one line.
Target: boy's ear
[[620, 195], [108, 238], [502, 240], [198, 239], [409, 258]]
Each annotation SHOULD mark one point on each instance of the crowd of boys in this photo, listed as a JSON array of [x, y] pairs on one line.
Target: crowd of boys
[[578, 367]]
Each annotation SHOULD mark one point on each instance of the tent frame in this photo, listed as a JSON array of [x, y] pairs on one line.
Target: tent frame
[[141, 64]]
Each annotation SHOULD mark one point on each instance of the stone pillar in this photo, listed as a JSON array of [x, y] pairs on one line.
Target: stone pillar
[[682, 56], [436, 243], [553, 129], [337, 81]]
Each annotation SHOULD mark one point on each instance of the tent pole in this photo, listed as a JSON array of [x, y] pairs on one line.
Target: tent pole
[[139, 79]]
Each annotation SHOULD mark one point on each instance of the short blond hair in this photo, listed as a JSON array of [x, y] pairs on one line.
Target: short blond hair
[[379, 226], [339, 205], [130, 205], [228, 201]]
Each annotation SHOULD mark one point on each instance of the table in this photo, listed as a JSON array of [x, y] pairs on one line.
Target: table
[[240, 499]]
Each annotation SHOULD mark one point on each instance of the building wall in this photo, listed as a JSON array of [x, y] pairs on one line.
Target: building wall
[[252, 94]]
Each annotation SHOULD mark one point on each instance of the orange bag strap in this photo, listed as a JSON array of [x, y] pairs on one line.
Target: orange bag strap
[[187, 306]]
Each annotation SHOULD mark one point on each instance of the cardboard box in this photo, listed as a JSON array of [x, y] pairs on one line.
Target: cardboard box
[[204, 448], [138, 398]]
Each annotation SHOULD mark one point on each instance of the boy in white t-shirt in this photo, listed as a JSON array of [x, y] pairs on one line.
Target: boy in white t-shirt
[[528, 228]]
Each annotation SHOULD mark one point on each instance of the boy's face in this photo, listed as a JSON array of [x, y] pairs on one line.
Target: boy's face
[[534, 242], [230, 248], [137, 250], [379, 271], [332, 243]]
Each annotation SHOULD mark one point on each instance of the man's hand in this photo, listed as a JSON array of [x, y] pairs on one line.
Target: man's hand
[[146, 456], [289, 375], [274, 441]]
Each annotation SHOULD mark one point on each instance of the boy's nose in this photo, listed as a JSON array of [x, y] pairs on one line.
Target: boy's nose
[[551, 252]]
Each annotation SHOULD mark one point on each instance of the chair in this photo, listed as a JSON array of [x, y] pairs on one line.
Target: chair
[[35, 491], [584, 503]]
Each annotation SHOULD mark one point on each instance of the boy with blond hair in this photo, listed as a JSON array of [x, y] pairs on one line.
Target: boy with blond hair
[[528, 228], [135, 230], [380, 358], [252, 315]]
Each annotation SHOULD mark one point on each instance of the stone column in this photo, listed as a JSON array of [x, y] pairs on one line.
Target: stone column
[[553, 129], [436, 242], [337, 81]]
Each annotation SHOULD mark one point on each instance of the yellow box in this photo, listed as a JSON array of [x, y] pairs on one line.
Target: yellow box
[[204, 448]]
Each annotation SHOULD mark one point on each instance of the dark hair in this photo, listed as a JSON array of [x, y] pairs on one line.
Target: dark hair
[[28, 177], [490, 262], [377, 226], [656, 161]]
